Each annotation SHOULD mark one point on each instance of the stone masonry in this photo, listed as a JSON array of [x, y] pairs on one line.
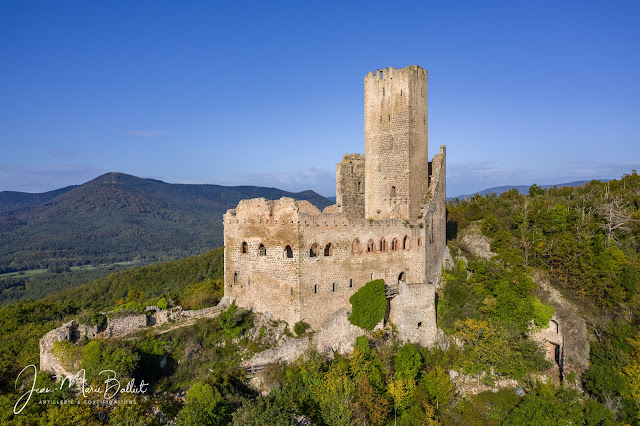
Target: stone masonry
[[289, 259]]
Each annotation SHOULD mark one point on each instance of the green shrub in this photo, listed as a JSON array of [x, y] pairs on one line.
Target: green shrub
[[69, 354], [204, 406], [490, 225], [542, 313], [300, 328], [233, 322], [202, 294], [368, 305], [408, 362], [162, 303], [100, 355], [92, 318]]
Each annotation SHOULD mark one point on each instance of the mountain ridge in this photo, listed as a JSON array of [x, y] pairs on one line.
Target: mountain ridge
[[118, 217]]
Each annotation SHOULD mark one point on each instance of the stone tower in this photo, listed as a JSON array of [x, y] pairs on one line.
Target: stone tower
[[395, 143]]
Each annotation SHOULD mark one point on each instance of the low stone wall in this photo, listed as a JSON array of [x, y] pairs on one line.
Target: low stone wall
[[122, 325], [116, 326]]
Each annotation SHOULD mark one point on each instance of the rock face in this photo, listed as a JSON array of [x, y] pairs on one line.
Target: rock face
[[474, 242], [572, 330], [287, 352], [337, 334]]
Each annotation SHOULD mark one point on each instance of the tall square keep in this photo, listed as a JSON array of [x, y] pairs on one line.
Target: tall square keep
[[289, 259]]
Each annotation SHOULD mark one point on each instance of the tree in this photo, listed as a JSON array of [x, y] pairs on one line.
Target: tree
[[436, 386], [408, 362], [205, 406], [616, 220], [335, 394]]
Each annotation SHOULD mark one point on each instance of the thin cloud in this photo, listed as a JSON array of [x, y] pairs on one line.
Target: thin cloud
[[320, 180], [63, 153], [146, 133]]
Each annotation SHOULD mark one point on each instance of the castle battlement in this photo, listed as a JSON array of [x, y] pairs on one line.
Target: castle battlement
[[290, 259]]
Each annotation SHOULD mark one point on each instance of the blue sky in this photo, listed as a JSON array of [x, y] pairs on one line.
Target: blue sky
[[271, 93]]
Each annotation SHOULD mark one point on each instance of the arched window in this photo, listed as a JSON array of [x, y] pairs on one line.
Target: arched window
[[394, 244], [371, 247], [328, 249], [406, 243], [383, 244], [288, 252], [393, 192], [355, 247], [402, 278], [245, 247], [235, 278], [313, 251], [262, 251]]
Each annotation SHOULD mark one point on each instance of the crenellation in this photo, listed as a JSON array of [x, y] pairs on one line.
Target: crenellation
[[288, 258]]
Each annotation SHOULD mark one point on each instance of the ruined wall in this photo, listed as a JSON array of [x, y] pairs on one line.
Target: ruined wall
[[435, 217], [125, 324], [329, 259], [71, 332], [413, 311], [264, 280], [395, 119], [350, 183]]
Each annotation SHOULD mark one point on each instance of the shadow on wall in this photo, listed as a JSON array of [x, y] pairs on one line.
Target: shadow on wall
[[452, 228]]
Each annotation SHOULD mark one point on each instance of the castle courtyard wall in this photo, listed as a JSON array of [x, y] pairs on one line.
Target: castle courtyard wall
[[327, 282], [269, 282]]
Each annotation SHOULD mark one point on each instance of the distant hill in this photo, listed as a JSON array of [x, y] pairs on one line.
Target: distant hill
[[118, 217], [524, 189], [12, 200]]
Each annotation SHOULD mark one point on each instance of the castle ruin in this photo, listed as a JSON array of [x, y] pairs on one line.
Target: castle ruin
[[289, 259]]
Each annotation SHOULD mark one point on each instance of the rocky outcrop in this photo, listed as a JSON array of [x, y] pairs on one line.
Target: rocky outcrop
[[472, 240], [337, 334], [287, 352], [572, 330]]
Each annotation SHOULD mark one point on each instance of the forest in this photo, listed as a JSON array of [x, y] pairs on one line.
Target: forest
[[583, 240]]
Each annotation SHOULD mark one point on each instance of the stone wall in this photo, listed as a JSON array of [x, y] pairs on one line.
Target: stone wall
[[125, 324], [327, 282], [329, 260], [413, 311], [434, 212], [71, 332], [258, 272]]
